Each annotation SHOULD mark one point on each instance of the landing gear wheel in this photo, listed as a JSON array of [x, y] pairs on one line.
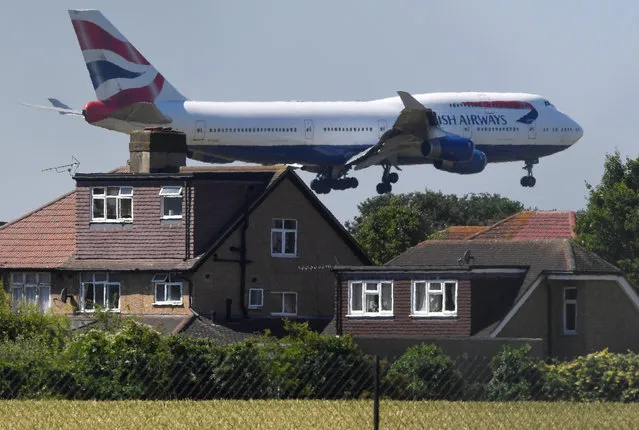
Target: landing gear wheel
[[393, 178], [320, 186], [383, 188]]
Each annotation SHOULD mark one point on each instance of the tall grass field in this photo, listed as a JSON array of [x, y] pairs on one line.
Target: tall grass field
[[312, 414]]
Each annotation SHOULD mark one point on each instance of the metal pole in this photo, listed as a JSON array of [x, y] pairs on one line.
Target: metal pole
[[376, 399]]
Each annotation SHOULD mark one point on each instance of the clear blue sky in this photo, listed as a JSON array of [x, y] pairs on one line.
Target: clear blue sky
[[581, 55]]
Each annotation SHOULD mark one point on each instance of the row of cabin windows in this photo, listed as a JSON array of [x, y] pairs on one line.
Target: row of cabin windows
[[349, 128], [497, 128], [253, 130]]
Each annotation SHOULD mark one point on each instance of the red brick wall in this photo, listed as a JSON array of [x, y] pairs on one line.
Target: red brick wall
[[401, 323], [148, 236]]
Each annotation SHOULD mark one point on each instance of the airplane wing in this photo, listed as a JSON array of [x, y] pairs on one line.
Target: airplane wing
[[414, 124], [142, 113]]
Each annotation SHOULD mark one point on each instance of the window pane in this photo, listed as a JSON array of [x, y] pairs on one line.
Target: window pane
[[30, 279], [435, 302], [356, 297], [277, 223], [126, 191], [571, 317], [111, 208], [175, 293], [420, 297], [160, 277], [289, 244], [125, 208], [98, 208], [290, 303], [276, 242], [88, 295], [450, 296], [98, 191], [172, 206], [113, 299], [16, 278], [290, 224], [435, 286], [255, 297], [43, 299], [98, 298], [371, 286], [113, 191], [159, 293], [17, 294], [372, 302], [171, 191], [44, 278], [387, 297], [31, 294]]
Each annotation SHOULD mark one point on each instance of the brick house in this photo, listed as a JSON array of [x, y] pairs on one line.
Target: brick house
[[174, 243], [473, 295]]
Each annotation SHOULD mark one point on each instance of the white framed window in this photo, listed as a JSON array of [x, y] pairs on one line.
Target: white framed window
[[99, 290], [371, 298], [288, 304], [112, 204], [570, 310], [30, 288], [284, 238], [166, 289], [256, 298], [171, 202], [434, 298]]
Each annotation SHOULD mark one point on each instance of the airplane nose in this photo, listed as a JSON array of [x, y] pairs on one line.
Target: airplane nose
[[574, 130]]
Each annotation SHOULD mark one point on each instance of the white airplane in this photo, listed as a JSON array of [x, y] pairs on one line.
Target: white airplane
[[456, 132]]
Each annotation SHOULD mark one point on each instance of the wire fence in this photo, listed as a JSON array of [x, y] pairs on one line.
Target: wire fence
[[423, 387]]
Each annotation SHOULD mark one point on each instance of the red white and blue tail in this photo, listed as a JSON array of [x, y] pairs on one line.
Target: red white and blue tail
[[120, 74]]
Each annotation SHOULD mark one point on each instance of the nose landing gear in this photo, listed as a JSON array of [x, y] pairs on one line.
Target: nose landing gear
[[529, 180]]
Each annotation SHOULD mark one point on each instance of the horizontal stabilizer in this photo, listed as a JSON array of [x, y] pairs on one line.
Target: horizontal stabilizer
[[141, 113], [60, 110]]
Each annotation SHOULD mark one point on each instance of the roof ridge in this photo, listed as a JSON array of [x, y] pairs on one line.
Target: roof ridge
[[36, 210], [495, 225]]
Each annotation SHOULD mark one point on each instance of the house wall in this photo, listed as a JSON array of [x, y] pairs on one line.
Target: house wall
[[148, 236], [401, 323], [317, 244], [604, 319]]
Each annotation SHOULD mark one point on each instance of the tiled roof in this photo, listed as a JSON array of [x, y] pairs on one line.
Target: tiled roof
[[457, 232], [125, 264], [531, 225], [43, 239]]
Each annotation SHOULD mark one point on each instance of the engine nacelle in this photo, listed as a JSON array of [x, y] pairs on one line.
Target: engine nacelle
[[450, 148], [475, 165]]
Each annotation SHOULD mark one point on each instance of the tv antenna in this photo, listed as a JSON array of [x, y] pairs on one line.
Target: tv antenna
[[68, 167]]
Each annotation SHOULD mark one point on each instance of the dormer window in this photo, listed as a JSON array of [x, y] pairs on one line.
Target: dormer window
[[171, 202], [112, 204]]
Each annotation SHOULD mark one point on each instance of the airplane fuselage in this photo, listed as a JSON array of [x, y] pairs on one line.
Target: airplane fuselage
[[505, 126]]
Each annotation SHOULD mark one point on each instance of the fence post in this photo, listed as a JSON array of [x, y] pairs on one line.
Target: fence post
[[376, 398]]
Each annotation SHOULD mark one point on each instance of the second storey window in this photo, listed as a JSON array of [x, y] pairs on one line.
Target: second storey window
[[371, 298], [31, 289], [114, 204], [284, 238], [435, 298], [167, 289], [99, 290], [171, 202]]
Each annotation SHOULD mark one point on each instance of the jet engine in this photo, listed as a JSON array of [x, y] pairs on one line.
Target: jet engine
[[449, 148], [475, 165]]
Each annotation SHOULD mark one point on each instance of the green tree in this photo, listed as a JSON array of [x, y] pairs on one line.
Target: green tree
[[609, 226], [389, 224]]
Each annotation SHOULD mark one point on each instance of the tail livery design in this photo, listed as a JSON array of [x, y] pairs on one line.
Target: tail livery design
[[125, 83]]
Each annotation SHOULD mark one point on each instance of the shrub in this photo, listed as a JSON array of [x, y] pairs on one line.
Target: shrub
[[423, 372], [515, 375]]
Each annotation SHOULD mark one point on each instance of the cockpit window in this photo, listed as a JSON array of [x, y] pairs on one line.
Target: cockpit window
[[547, 103]]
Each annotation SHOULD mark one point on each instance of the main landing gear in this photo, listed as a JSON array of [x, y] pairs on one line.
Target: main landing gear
[[325, 182], [388, 178], [529, 180]]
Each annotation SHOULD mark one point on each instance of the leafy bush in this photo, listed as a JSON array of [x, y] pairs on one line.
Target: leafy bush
[[423, 372], [515, 375]]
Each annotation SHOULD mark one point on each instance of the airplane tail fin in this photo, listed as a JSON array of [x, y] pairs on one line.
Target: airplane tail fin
[[120, 74]]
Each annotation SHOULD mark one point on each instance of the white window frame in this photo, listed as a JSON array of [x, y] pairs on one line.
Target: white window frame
[[42, 282], [282, 232], [106, 284], [567, 302], [427, 284], [364, 292], [171, 192], [166, 281], [281, 313], [259, 305], [122, 195]]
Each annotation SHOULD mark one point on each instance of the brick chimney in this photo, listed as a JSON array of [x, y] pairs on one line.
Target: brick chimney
[[157, 150]]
